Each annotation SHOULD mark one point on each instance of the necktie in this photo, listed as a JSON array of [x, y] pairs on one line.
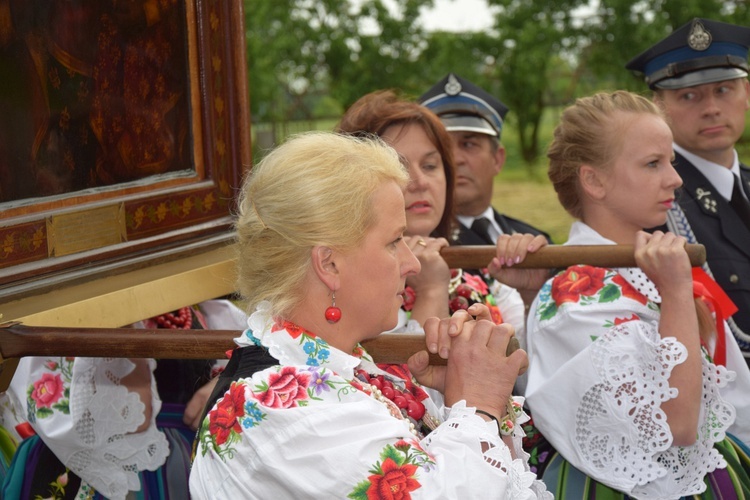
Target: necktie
[[738, 202], [481, 227]]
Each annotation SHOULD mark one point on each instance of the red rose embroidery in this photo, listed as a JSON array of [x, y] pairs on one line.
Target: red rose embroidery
[[294, 330], [285, 388], [577, 281], [395, 483], [628, 290], [225, 418], [47, 390], [619, 321], [476, 282]]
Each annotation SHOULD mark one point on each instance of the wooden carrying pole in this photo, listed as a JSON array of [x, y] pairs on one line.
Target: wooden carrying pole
[[17, 340], [560, 256]]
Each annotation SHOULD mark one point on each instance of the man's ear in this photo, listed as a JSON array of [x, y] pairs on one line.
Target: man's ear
[[592, 182], [499, 158], [324, 265]]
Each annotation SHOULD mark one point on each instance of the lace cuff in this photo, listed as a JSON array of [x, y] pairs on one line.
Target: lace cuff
[[107, 453], [461, 418], [633, 364]]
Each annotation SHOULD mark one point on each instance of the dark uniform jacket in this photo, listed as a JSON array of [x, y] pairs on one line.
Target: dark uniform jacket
[[726, 238], [509, 225]]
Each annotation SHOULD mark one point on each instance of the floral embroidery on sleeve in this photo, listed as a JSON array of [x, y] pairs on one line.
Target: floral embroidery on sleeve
[[241, 408], [284, 389], [224, 420], [395, 475], [586, 285], [51, 391], [577, 283]]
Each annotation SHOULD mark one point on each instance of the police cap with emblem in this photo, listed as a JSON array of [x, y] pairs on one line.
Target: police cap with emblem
[[462, 106], [701, 51]]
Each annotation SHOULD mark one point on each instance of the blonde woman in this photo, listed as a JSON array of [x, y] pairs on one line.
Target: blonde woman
[[622, 378], [302, 411]]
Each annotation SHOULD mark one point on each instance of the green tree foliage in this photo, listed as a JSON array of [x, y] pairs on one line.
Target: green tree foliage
[[536, 35], [309, 58], [300, 50]]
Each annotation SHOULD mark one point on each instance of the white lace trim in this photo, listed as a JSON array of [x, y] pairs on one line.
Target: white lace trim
[[633, 387], [524, 483], [102, 409]]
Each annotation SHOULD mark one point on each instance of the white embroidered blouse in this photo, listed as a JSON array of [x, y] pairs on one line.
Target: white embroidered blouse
[[308, 429], [599, 372]]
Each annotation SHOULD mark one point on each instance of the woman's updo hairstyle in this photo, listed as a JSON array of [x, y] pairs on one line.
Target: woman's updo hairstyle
[[587, 135], [315, 189]]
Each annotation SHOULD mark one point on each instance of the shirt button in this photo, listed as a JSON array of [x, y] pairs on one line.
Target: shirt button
[[734, 279]]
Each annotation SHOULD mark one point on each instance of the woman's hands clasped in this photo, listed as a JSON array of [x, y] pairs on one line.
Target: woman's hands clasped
[[478, 370]]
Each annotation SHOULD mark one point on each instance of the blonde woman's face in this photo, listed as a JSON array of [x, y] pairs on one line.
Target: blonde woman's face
[[424, 196], [373, 275], [640, 186]]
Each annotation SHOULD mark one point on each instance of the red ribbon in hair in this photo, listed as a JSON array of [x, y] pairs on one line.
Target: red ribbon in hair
[[721, 305]]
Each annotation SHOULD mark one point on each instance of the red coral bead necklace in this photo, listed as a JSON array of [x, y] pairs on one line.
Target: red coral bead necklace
[[182, 319], [401, 403]]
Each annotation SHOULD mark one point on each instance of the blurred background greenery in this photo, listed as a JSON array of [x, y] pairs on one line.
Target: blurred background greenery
[[308, 60]]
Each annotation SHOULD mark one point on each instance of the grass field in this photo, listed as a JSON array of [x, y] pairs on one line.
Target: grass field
[[525, 192], [534, 202]]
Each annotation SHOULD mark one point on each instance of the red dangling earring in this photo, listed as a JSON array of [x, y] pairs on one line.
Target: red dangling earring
[[333, 313]]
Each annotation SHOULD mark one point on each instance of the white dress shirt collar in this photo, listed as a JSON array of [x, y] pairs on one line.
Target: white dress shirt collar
[[721, 177]]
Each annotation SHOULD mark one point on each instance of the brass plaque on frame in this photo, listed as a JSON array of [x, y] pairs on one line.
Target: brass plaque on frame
[[86, 230]]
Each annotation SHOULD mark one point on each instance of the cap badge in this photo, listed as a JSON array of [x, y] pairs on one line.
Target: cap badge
[[699, 38], [452, 86]]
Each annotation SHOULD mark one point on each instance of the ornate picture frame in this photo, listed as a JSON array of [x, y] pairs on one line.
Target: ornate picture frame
[[132, 218]]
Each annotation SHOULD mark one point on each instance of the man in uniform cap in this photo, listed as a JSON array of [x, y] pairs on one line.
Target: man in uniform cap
[[699, 78], [474, 120]]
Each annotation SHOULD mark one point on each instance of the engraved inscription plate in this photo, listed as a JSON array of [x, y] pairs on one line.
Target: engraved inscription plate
[[86, 230]]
